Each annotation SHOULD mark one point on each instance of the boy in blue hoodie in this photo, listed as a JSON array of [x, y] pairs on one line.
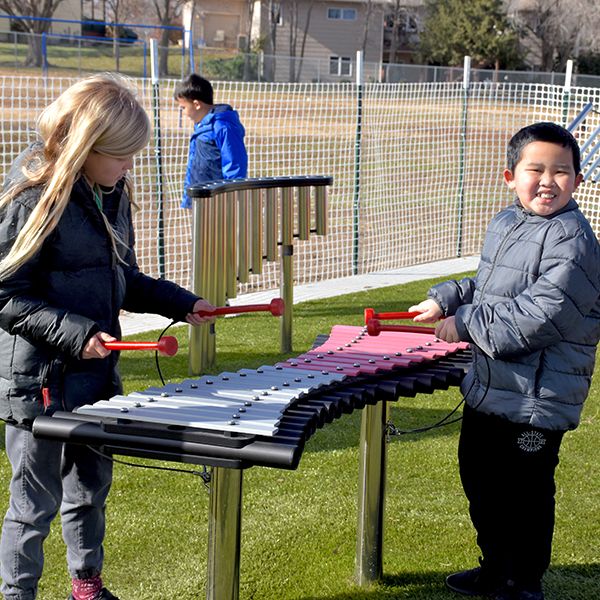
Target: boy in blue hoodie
[[217, 149]]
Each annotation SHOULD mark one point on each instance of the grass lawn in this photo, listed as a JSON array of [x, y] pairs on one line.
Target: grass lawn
[[299, 527], [75, 60]]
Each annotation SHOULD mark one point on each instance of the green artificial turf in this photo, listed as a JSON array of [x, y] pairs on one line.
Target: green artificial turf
[[299, 527]]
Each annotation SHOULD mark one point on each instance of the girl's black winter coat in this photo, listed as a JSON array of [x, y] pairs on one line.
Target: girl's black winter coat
[[73, 287]]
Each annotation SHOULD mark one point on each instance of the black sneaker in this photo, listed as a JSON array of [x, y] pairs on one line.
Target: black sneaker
[[474, 582], [103, 595]]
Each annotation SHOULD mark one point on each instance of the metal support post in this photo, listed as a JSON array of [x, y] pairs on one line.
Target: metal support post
[[224, 534], [371, 494]]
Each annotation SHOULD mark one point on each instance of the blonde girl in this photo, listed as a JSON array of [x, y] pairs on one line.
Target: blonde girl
[[67, 268]]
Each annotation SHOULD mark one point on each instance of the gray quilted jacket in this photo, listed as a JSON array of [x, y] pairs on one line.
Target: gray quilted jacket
[[532, 315]]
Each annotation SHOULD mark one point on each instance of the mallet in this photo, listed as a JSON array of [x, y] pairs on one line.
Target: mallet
[[167, 346], [275, 307], [374, 327], [371, 314]]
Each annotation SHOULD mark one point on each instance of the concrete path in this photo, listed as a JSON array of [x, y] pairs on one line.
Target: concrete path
[[132, 324]]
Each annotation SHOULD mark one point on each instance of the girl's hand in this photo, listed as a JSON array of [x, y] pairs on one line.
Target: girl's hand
[[94, 347], [429, 309], [195, 319]]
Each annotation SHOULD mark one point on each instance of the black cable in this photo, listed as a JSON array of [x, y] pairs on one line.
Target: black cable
[[158, 370], [204, 474], [391, 429]]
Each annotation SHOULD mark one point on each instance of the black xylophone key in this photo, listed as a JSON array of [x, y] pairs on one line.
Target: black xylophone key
[[328, 409], [446, 377], [305, 414]]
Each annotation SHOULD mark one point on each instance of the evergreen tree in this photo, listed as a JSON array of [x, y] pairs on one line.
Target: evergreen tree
[[478, 28]]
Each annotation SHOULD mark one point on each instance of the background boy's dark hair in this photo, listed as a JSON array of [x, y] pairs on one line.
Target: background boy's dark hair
[[194, 87], [542, 132]]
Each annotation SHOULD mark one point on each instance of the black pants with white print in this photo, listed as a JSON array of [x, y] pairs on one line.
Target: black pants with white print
[[507, 471]]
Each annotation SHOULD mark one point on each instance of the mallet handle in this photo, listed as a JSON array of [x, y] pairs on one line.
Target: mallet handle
[[386, 316], [275, 307], [167, 345], [374, 327]]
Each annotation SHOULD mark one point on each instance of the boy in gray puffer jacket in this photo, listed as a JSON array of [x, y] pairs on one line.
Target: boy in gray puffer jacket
[[532, 316]]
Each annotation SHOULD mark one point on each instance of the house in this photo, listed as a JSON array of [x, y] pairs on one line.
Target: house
[[218, 23], [318, 39], [302, 40]]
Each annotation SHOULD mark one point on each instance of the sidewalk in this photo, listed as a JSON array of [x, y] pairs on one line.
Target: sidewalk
[[132, 324]]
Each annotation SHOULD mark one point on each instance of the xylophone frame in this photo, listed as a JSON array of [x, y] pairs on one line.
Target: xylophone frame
[[228, 463]]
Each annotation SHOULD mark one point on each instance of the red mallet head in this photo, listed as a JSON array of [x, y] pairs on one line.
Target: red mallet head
[[167, 346], [373, 327], [277, 307]]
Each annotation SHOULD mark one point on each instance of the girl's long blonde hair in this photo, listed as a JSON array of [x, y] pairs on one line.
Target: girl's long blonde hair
[[98, 113]]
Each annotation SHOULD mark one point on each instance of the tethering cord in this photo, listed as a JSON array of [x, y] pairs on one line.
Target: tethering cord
[[392, 430], [204, 474], [156, 353]]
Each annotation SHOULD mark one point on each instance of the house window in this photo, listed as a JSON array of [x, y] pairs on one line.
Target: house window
[[403, 22], [340, 65], [408, 23], [341, 14]]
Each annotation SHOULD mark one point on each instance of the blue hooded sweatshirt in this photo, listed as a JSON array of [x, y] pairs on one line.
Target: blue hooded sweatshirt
[[217, 149]]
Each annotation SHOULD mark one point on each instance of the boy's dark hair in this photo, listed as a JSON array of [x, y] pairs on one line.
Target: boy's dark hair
[[194, 87], [542, 132]]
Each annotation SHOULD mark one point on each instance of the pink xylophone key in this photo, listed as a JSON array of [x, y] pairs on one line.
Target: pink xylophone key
[[387, 342]]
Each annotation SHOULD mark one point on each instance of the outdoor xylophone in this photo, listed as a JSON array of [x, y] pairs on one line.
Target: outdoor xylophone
[[264, 417]]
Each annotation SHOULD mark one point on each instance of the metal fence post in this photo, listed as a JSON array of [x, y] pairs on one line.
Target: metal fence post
[[360, 80], [567, 92], [371, 494], [158, 154], [462, 157]]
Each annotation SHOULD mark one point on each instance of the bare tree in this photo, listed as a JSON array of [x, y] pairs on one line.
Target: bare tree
[[118, 12], [556, 29], [248, 36], [401, 23], [115, 7], [298, 28], [296, 23], [270, 45], [166, 11], [42, 9], [368, 12]]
